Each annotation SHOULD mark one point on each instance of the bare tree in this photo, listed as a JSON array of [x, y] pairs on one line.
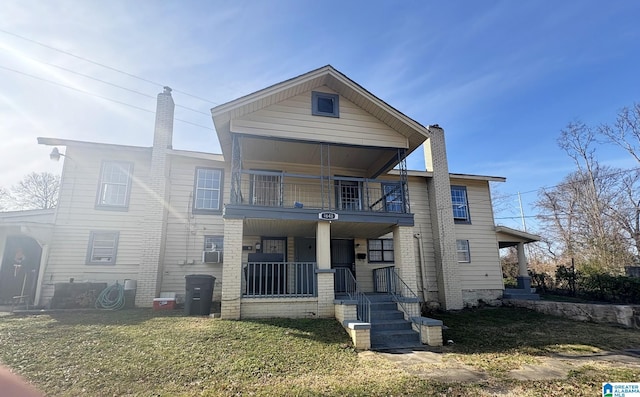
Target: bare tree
[[37, 191], [5, 199], [598, 240], [625, 132]]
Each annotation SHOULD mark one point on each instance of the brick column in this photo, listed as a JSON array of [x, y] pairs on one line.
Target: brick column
[[232, 269], [155, 215], [404, 256], [443, 228], [326, 294]]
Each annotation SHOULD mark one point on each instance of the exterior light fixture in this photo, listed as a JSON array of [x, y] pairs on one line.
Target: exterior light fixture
[[55, 154]]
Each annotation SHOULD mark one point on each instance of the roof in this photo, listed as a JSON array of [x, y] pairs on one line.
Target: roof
[[71, 142], [198, 155], [429, 174], [328, 76], [508, 237], [39, 216]]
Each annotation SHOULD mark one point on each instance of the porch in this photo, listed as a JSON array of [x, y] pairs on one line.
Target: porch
[[294, 268]]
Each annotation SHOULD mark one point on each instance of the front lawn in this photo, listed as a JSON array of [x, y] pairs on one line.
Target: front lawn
[[146, 353]]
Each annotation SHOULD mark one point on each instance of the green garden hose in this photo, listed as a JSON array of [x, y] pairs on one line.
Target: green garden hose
[[111, 298]]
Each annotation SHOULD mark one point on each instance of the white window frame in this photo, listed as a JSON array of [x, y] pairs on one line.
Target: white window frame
[[199, 189], [460, 204], [113, 184], [463, 251], [106, 240]]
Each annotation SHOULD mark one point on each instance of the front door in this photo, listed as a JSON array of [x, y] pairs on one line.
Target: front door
[[305, 256], [19, 269], [343, 259]]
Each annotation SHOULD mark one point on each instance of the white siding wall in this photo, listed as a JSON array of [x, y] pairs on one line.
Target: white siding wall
[[77, 217], [484, 271], [292, 118], [186, 231]]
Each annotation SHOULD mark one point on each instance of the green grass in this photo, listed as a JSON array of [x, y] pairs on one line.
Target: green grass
[[146, 353]]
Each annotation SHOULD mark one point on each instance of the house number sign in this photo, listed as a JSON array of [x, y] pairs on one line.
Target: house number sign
[[328, 216]]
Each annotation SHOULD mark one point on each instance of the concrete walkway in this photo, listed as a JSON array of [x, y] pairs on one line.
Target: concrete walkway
[[444, 367]]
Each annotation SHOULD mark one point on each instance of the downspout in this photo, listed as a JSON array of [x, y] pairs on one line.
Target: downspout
[[422, 278]]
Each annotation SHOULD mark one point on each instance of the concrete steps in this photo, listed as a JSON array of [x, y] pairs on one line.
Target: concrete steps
[[389, 329]]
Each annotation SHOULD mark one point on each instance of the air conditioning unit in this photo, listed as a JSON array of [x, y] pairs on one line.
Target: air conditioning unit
[[211, 256]]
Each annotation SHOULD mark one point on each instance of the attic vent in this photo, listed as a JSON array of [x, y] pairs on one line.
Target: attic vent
[[325, 104]]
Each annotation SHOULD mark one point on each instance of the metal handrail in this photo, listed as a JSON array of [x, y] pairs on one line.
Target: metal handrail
[[351, 289], [386, 279]]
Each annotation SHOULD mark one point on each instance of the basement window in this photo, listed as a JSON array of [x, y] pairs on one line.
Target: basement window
[[325, 104]]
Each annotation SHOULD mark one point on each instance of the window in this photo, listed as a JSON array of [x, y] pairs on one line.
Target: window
[[462, 247], [392, 197], [380, 250], [103, 246], [208, 189], [213, 243], [460, 205], [348, 195], [266, 188], [115, 185], [324, 104], [213, 246]]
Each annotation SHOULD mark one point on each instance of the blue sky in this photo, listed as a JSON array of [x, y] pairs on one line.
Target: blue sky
[[501, 77]]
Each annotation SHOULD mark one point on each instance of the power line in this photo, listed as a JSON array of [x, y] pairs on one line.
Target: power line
[[104, 66], [96, 95]]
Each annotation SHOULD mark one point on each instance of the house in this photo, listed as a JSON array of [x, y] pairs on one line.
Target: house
[[310, 198]]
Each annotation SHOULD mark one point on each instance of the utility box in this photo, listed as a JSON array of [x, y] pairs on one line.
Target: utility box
[[199, 294]]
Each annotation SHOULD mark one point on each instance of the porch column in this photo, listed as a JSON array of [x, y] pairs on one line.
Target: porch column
[[325, 273], [524, 281], [44, 258], [404, 256], [232, 270]]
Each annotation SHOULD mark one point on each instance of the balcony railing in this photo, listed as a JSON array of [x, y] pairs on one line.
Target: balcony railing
[[279, 279], [274, 189]]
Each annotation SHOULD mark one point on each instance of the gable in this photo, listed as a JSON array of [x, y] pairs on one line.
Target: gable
[[292, 118]]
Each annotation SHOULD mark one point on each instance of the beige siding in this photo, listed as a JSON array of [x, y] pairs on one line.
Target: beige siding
[[186, 231], [292, 118], [419, 201], [484, 271], [77, 216]]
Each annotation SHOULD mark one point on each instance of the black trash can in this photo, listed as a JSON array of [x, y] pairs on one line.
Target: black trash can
[[199, 293]]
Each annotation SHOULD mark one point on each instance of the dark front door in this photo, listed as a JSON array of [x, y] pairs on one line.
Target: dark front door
[[305, 256], [19, 271], [343, 259]]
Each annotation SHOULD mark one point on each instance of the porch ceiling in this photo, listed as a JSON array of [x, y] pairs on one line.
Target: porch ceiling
[[279, 228], [367, 160]]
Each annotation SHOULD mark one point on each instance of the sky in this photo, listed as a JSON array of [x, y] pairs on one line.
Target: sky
[[501, 77]]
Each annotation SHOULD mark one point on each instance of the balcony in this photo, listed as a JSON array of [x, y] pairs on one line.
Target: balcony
[[296, 191]]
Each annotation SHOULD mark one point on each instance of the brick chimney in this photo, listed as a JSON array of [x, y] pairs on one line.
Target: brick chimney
[[163, 135], [155, 216]]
